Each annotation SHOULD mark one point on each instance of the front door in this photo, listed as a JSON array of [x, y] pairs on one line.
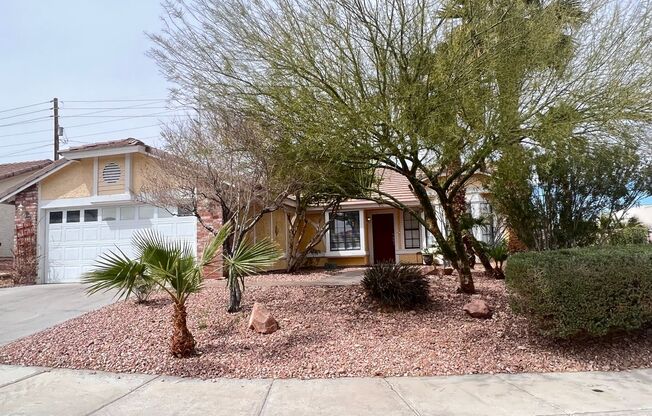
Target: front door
[[382, 228]]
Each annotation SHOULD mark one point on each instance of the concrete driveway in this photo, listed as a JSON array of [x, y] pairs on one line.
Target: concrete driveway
[[25, 310]]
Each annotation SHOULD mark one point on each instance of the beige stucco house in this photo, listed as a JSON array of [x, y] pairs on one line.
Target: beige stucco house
[[89, 202]]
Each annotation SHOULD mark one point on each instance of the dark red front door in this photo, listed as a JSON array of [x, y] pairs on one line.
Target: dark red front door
[[382, 228]]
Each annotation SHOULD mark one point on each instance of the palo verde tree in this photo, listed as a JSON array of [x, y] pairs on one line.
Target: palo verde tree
[[436, 91]]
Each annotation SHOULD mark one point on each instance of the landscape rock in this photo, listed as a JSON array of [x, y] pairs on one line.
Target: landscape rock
[[478, 308], [261, 320]]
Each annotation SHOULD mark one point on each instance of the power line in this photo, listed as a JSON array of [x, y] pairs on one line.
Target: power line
[[25, 106], [24, 114], [139, 106], [162, 114], [27, 150], [109, 109], [23, 144], [33, 120], [113, 101], [110, 121], [112, 131], [25, 133]]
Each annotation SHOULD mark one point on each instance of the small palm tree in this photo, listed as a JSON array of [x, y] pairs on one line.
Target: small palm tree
[[172, 267]]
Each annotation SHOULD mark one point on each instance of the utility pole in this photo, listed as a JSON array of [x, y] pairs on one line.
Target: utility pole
[[55, 101]]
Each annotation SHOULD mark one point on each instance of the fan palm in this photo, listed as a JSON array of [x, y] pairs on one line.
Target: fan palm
[[172, 267]]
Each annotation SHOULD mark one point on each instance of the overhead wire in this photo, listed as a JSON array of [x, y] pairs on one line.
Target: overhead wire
[[24, 114], [25, 106]]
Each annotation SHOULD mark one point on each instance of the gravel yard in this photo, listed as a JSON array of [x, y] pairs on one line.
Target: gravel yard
[[325, 332]]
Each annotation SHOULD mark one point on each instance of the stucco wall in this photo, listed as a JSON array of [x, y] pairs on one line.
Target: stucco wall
[[143, 168], [72, 181], [7, 213]]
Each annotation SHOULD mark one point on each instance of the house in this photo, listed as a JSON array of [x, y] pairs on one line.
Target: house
[[10, 175], [89, 202]]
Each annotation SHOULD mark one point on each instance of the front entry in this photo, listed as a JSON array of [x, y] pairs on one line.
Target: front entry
[[382, 227]]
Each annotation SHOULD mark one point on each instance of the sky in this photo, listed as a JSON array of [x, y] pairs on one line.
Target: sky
[[77, 51], [91, 56]]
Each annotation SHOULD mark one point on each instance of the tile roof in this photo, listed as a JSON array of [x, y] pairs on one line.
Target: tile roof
[[392, 183], [106, 145], [9, 170]]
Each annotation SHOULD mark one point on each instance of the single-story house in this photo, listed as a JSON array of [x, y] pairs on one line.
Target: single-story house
[[87, 203], [10, 175]]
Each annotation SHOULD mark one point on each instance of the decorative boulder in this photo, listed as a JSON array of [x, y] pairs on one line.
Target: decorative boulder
[[261, 320], [478, 308]]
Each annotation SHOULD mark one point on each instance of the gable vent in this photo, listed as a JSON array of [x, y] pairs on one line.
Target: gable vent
[[111, 173]]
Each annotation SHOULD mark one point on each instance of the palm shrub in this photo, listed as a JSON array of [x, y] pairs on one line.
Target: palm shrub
[[171, 267], [498, 253], [396, 285]]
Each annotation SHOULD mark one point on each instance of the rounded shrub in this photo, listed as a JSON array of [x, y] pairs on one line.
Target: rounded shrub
[[583, 292], [396, 285]]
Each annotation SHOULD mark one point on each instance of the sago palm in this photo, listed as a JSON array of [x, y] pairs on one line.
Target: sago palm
[[172, 267]]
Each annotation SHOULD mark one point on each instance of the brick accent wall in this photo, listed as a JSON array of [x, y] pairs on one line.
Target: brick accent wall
[[211, 215], [26, 218]]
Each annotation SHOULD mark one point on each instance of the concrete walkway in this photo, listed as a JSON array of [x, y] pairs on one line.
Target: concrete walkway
[[39, 391], [25, 310]]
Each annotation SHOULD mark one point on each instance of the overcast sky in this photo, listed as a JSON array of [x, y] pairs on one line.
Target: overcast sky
[[77, 50]]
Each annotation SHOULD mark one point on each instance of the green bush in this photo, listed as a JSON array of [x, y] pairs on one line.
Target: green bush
[[629, 235], [396, 285], [591, 291]]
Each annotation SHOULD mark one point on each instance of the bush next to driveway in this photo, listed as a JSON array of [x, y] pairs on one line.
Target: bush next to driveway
[[583, 292]]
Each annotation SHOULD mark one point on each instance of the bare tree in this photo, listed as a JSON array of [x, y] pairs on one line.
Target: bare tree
[[219, 162]]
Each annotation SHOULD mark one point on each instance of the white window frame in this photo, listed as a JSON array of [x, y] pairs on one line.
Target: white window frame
[[347, 253]]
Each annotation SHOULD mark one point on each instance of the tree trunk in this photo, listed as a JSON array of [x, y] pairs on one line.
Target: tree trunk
[[484, 259], [454, 213], [183, 343], [235, 295]]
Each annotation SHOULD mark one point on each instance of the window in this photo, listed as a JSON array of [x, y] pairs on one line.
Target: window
[[127, 213], [146, 212], [488, 230], [345, 231], [184, 212], [411, 231], [72, 216], [164, 213], [108, 214], [111, 173], [90, 215], [56, 217]]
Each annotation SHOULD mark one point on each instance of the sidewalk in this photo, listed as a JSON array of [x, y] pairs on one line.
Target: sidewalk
[[41, 391]]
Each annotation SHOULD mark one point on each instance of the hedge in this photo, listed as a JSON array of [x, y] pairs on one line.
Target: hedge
[[583, 292], [629, 235]]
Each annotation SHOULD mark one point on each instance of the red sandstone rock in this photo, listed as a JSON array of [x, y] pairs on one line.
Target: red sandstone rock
[[261, 320], [478, 308]]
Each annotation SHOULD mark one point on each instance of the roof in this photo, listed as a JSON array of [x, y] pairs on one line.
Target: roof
[[9, 170], [114, 144], [392, 183], [33, 178]]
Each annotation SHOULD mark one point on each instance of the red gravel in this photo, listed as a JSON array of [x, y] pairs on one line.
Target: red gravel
[[325, 332]]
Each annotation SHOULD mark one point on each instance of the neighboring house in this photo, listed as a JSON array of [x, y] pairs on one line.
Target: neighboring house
[[644, 214], [10, 175], [88, 203]]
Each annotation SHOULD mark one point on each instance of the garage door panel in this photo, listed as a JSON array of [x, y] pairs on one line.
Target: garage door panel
[[90, 234], [72, 234]]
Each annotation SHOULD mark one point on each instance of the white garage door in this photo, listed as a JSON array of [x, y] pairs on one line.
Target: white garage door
[[77, 237]]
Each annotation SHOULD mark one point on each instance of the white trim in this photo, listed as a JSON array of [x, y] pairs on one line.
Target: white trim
[[346, 253], [36, 180], [96, 179], [127, 173], [86, 201], [81, 154], [408, 251]]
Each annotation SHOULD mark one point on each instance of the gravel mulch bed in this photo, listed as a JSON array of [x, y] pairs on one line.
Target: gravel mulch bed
[[325, 332], [307, 275]]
